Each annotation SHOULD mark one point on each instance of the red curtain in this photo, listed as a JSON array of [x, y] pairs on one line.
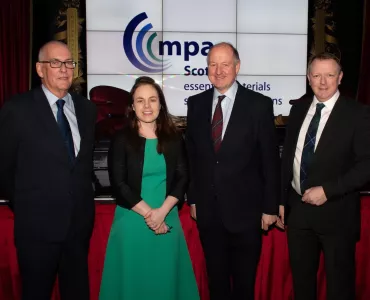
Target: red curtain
[[363, 94], [14, 47]]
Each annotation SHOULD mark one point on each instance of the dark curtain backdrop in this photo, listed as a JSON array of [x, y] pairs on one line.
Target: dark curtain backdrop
[[343, 30], [44, 27], [14, 47], [349, 28], [364, 82]]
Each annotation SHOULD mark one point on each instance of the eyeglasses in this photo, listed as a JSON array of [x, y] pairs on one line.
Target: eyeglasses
[[69, 64]]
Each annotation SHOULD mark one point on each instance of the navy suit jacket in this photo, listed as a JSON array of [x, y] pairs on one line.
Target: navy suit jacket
[[47, 193], [241, 181], [341, 165]]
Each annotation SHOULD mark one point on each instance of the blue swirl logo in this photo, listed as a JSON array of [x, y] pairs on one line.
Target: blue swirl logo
[[149, 65]]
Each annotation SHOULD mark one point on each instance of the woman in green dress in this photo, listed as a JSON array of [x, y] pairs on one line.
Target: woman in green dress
[[147, 256]]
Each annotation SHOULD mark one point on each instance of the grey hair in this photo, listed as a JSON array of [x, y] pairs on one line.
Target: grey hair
[[235, 51], [42, 50]]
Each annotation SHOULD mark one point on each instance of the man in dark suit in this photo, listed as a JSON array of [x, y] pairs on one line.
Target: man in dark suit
[[234, 165], [326, 159], [47, 138]]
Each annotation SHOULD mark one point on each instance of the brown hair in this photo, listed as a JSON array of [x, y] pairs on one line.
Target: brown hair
[[165, 128], [324, 56]]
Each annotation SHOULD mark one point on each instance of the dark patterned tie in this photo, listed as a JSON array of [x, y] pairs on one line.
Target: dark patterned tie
[[309, 146], [65, 129], [217, 124]]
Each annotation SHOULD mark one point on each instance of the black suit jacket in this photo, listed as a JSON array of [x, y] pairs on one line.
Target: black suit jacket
[[241, 181], [126, 164], [48, 194], [341, 163]]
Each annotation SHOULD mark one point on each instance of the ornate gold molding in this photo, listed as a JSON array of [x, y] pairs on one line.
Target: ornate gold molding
[[324, 26], [72, 35], [69, 27]]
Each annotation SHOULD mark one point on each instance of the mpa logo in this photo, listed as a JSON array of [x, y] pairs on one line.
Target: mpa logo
[[187, 49], [149, 65]]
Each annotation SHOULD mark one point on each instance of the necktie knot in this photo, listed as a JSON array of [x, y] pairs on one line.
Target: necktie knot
[[319, 107], [220, 98], [60, 103]]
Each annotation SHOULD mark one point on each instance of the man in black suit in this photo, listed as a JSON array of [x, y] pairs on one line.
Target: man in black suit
[[326, 159], [234, 165], [47, 138]]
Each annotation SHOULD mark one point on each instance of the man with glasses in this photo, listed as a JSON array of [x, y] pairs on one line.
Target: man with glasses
[[47, 137]]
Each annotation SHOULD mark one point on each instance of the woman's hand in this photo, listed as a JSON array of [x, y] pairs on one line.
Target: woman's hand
[[163, 229], [155, 218]]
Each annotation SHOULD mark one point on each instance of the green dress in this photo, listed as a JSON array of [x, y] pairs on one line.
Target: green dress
[[140, 265]]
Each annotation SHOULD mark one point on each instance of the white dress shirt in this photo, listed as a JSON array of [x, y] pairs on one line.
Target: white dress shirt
[[226, 104], [69, 111], [325, 113]]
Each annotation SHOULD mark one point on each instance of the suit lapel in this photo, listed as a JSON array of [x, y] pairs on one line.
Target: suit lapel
[[46, 116], [45, 113], [295, 127], [207, 115], [331, 127], [237, 112], [81, 120]]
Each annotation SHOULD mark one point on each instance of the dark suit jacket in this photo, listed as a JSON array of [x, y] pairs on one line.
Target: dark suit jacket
[[241, 181], [126, 164], [48, 194], [341, 163]]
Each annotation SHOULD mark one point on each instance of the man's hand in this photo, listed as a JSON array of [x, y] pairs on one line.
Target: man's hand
[[315, 196], [267, 221], [193, 211], [281, 219]]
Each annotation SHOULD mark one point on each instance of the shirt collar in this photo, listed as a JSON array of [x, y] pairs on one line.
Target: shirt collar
[[52, 99], [230, 93], [329, 104]]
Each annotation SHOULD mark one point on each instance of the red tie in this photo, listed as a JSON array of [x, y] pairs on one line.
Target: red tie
[[217, 123]]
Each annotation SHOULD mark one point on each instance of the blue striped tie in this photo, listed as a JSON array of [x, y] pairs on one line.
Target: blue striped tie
[[309, 146], [65, 129]]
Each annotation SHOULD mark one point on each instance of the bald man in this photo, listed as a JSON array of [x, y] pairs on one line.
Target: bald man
[[47, 137]]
